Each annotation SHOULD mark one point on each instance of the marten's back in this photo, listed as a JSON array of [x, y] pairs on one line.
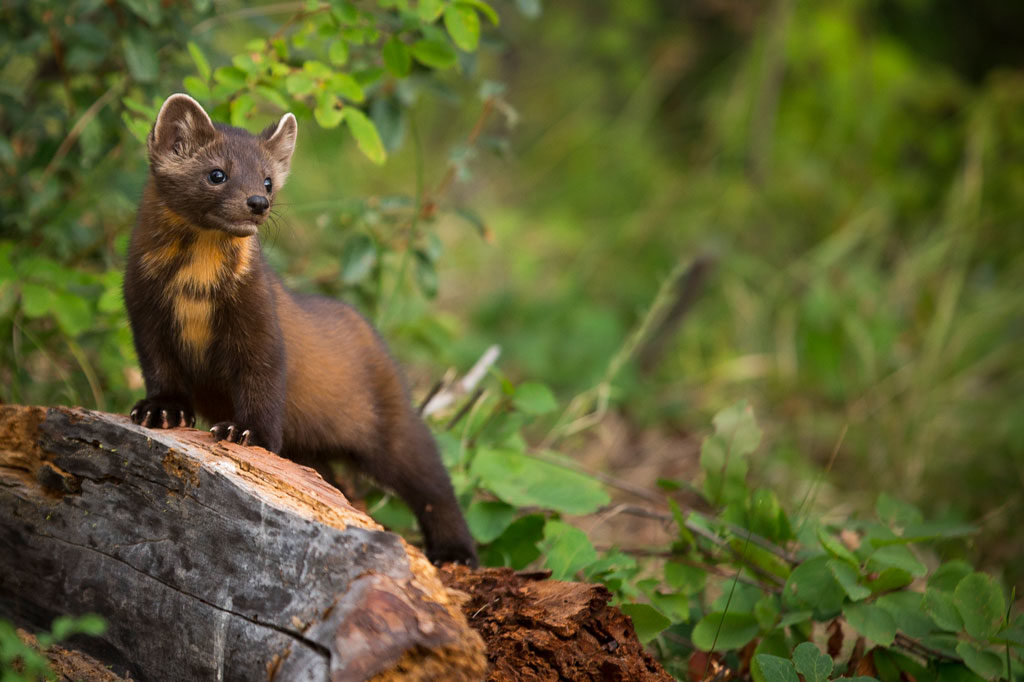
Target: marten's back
[[343, 390]]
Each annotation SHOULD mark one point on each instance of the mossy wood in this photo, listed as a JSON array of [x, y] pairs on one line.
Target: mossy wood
[[211, 561]]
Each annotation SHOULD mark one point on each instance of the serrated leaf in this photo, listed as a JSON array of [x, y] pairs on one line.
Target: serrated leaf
[[907, 609], [487, 520], [463, 25], [897, 512], [647, 620], [896, 556], [365, 133], [358, 258], [981, 604], [836, 548], [774, 669], [525, 481], [948, 575], [872, 621], [396, 57], [437, 54], [889, 579], [849, 579], [202, 66], [534, 398], [940, 607], [987, 664], [810, 662], [567, 550]]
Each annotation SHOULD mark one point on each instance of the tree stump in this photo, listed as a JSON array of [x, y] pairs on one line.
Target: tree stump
[[211, 561]]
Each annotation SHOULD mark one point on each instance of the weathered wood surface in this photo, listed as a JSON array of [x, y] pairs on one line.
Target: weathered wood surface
[[211, 561]]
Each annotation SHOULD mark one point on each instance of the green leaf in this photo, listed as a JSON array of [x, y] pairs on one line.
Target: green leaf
[[724, 631], [346, 86], [897, 512], [202, 66], [196, 87], [358, 258], [147, 10], [981, 605], [240, 108], [484, 9], [534, 398], [907, 609], [987, 664], [396, 57], [687, 579], [810, 662], [429, 10], [647, 620], [487, 520], [849, 578], [518, 546], [140, 56], [896, 556], [567, 550], [955, 672], [366, 135], [36, 300], [525, 481], [890, 579], [940, 606], [437, 54], [337, 53], [766, 610], [723, 456], [767, 517], [773, 669], [299, 83], [872, 621], [836, 548], [948, 575], [74, 315], [811, 586], [463, 24]]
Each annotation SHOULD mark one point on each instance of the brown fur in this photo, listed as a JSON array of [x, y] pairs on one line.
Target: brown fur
[[218, 334]]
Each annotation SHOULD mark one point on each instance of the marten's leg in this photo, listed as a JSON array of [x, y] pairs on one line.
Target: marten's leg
[[414, 471]]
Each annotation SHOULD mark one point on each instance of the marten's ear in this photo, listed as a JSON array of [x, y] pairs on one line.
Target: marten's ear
[[182, 127], [280, 139]]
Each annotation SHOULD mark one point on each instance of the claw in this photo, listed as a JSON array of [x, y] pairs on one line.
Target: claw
[[244, 438], [192, 421], [181, 420], [231, 433], [164, 421], [133, 414], [145, 420]]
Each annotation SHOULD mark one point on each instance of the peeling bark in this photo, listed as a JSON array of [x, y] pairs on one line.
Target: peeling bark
[[211, 561]]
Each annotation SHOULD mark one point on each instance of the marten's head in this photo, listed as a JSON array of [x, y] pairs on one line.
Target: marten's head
[[216, 176]]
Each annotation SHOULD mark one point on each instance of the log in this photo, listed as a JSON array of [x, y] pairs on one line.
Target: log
[[211, 561]]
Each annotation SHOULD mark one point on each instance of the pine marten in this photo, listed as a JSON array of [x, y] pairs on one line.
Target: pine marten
[[217, 333]]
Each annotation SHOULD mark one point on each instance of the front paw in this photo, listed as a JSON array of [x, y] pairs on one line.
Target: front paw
[[162, 414], [233, 433]]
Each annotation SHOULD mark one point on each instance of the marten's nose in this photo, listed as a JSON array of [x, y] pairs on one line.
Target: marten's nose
[[257, 204]]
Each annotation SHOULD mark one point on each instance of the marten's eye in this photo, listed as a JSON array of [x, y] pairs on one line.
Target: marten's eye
[[268, 185], [217, 176]]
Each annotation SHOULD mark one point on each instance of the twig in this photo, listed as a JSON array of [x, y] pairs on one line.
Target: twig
[[76, 130], [446, 397], [914, 645], [464, 410]]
